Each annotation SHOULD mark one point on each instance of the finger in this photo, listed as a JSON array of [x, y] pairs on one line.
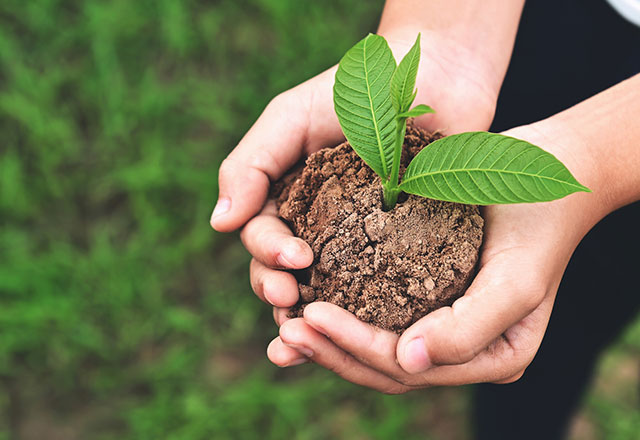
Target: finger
[[283, 356], [272, 146], [497, 364], [511, 379], [504, 292], [280, 315], [296, 334], [271, 242], [504, 360], [370, 345], [300, 118], [275, 287]]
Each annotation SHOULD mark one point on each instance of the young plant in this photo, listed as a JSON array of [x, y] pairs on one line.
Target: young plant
[[372, 98]]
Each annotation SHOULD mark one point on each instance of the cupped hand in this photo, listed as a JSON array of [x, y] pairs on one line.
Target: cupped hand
[[490, 334], [452, 79]]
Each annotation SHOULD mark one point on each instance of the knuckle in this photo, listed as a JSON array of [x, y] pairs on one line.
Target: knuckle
[[370, 343], [268, 244], [277, 102], [245, 233], [274, 353], [532, 298], [342, 366], [511, 379], [264, 162], [291, 331], [255, 276], [408, 381], [529, 289], [248, 232], [227, 169], [344, 363], [280, 316], [462, 348], [509, 366], [295, 102], [524, 362], [249, 240], [523, 356], [516, 377], [261, 241], [394, 389], [256, 167]]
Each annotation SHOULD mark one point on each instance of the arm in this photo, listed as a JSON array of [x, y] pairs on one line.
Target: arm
[[492, 333], [460, 76], [606, 135]]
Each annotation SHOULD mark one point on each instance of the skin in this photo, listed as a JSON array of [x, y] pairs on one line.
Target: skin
[[460, 75], [492, 333]]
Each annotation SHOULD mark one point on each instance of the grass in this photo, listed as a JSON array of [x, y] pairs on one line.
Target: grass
[[122, 314]]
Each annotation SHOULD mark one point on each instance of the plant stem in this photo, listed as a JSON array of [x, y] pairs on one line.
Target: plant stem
[[390, 197], [390, 189]]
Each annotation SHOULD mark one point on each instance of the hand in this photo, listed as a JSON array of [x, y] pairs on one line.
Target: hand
[[453, 80], [491, 334], [300, 121]]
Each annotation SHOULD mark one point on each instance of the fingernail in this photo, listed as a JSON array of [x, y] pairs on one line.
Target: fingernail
[[304, 350], [290, 252], [297, 362], [416, 355], [222, 207]]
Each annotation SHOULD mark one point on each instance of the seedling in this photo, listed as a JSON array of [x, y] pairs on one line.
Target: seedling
[[373, 97]]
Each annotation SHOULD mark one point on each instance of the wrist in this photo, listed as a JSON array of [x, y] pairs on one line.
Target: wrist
[[575, 151], [601, 135]]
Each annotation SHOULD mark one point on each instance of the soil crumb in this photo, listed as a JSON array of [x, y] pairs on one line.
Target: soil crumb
[[388, 268]]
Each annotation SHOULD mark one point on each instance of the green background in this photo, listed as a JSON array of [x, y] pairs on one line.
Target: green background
[[122, 314]]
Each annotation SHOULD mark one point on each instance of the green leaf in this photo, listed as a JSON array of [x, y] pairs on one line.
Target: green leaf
[[362, 100], [486, 169], [403, 82], [416, 111]]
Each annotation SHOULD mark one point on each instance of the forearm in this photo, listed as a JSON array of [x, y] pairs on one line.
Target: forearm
[[601, 136], [486, 29]]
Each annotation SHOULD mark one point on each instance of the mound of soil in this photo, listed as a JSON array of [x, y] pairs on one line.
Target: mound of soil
[[388, 268]]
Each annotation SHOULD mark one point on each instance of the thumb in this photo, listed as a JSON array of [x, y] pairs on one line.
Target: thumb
[[301, 118], [504, 292], [270, 147]]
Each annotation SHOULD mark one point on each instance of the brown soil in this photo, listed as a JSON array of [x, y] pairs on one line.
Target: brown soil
[[388, 268]]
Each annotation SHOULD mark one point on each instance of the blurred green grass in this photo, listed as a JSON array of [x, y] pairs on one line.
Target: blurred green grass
[[122, 315]]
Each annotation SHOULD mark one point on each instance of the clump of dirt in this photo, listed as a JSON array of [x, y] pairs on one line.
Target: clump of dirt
[[388, 268]]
